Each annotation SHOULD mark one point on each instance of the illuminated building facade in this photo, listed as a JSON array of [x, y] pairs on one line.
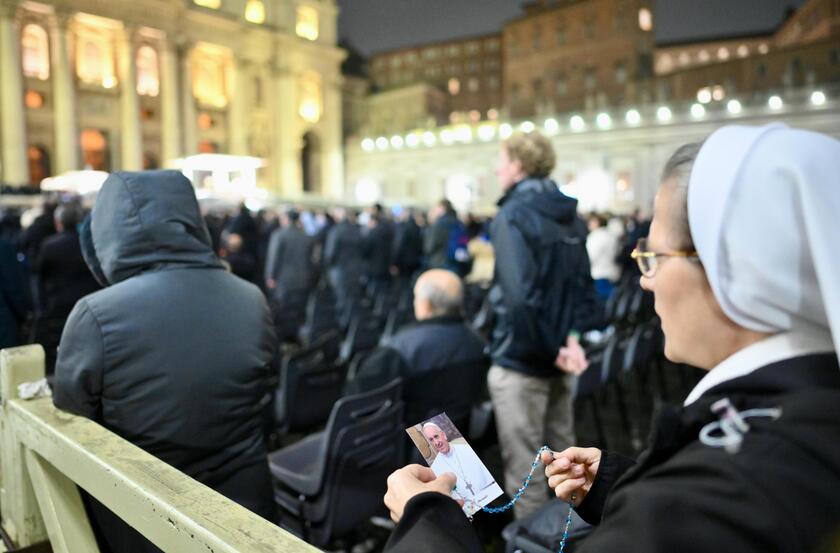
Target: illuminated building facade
[[131, 85]]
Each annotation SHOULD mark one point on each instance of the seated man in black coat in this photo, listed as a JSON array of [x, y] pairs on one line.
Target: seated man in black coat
[[440, 338]]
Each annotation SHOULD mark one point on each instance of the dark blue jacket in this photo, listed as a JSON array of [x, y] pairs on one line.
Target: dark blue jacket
[[542, 283]]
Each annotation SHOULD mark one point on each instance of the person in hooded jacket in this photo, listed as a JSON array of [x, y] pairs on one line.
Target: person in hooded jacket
[[174, 354], [751, 461], [542, 297]]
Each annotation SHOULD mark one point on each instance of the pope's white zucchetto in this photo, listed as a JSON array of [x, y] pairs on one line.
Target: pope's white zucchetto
[[764, 213]]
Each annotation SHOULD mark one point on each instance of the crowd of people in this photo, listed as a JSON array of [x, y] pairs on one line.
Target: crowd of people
[[158, 320]]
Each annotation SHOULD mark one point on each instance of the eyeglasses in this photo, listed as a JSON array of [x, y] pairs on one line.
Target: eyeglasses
[[648, 261]]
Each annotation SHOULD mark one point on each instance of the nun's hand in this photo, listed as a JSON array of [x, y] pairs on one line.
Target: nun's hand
[[572, 471], [405, 483]]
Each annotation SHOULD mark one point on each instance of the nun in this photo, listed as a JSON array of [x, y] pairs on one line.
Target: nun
[[743, 258]]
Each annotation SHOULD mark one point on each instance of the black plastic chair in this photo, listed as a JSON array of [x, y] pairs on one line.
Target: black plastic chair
[[309, 387], [363, 335], [396, 320], [586, 390], [329, 483]]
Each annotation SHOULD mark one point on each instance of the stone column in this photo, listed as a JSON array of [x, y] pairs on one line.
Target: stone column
[[188, 99], [170, 113], [238, 127], [131, 143], [64, 97], [332, 158], [286, 144], [15, 164]]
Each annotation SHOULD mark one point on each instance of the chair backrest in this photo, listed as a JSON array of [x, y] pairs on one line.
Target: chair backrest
[[372, 369], [453, 389], [363, 335], [310, 385], [589, 382], [363, 447], [327, 342], [640, 348], [396, 319], [612, 361]]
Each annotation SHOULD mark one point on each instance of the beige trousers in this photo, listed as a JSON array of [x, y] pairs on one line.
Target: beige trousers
[[530, 412]]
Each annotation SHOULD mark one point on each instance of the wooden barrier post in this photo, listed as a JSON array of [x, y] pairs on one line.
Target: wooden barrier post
[[21, 518]]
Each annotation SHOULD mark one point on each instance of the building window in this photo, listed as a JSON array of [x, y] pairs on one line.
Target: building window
[[536, 41], [35, 50], [473, 67], [537, 86], [396, 62], [454, 51], [95, 63], [743, 51], [620, 72], [492, 45], [491, 64], [255, 11], [454, 86], [560, 32], [665, 63], [311, 104], [473, 85], [513, 47], [703, 56], [723, 54], [209, 80], [472, 48], [431, 53], [493, 83], [212, 4], [411, 58], [307, 23], [561, 87], [514, 93], [645, 20], [590, 79], [589, 29], [454, 68], [148, 80], [763, 48]]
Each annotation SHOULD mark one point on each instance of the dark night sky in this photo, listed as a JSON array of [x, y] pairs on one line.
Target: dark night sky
[[377, 25]]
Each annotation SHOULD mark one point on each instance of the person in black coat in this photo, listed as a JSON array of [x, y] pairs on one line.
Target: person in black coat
[[751, 461], [289, 269], [15, 301], [175, 354], [407, 249], [64, 278], [246, 226], [343, 256], [440, 337], [377, 244]]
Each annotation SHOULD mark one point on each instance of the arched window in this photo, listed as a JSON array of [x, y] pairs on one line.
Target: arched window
[[95, 63], [35, 52], [307, 23], [311, 104], [148, 79], [255, 11], [209, 80]]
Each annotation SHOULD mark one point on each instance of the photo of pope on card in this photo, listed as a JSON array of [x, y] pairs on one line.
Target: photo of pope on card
[[445, 450]]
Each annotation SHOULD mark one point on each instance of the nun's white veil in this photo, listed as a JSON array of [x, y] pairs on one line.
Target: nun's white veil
[[764, 213]]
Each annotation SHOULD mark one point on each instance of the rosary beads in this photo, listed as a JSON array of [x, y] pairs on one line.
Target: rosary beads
[[509, 505]]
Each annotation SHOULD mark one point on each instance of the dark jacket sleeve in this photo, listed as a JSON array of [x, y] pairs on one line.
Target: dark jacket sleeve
[[79, 369], [273, 257], [433, 523], [610, 469], [695, 508]]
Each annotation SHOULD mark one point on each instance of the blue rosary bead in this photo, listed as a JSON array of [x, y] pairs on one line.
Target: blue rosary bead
[[509, 505]]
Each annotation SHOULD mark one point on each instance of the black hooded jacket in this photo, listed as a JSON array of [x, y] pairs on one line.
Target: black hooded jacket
[[542, 285], [174, 354]]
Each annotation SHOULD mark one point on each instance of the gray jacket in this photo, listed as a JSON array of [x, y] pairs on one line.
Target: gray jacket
[[174, 354]]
